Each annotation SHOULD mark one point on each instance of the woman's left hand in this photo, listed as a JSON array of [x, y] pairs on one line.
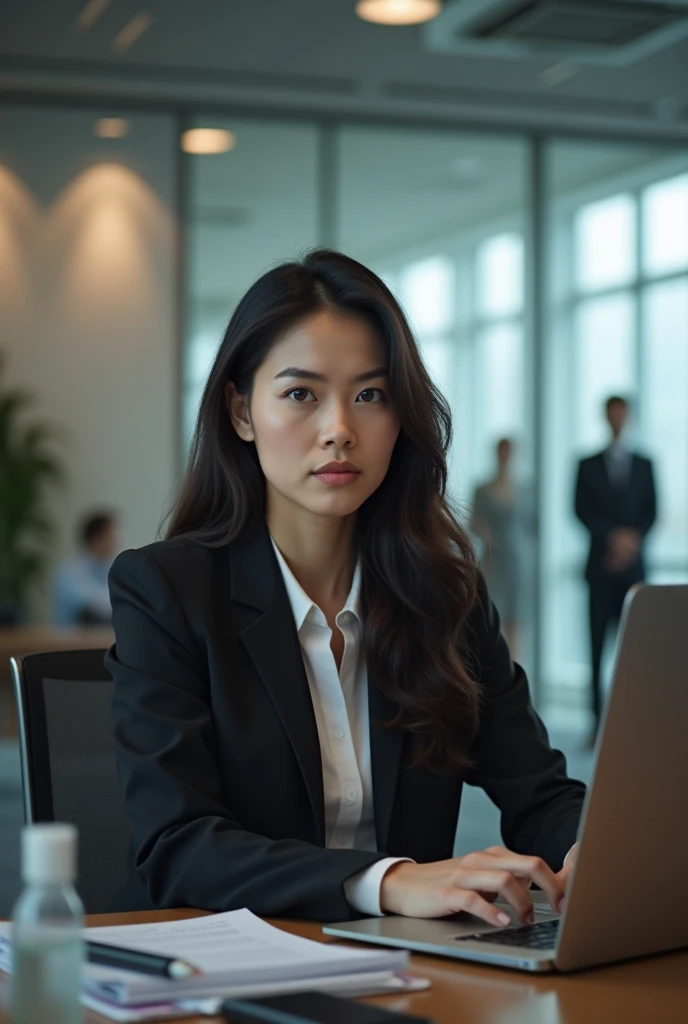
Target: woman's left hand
[[563, 875]]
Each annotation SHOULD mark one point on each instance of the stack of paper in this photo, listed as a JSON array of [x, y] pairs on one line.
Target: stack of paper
[[239, 955]]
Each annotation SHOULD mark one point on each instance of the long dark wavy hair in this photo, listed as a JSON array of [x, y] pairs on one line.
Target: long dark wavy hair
[[419, 571]]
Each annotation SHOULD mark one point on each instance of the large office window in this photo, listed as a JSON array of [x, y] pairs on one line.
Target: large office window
[[248, 209], [498, 340], [475, 352], [664, 364], [618, 325], [427, 289], [441, 216]]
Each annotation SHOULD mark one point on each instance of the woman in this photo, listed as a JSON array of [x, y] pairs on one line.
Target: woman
[[308, 667], [499, 517]]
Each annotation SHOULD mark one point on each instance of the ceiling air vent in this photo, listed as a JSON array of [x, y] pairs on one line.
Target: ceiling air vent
[[599, 31], [572, 22]]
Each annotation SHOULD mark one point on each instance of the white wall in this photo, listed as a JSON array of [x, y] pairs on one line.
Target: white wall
[[87, 305]]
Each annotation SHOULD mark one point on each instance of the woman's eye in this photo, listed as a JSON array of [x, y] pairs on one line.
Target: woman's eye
[[370, 391], [300, 395], [302, 391]]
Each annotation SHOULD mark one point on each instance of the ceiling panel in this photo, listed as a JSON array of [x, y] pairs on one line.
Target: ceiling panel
[[312, 50]]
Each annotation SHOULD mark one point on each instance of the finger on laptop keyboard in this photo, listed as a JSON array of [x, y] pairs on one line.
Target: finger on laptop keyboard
[[527, 868], [535, 870], [501, 882], [473, 903]]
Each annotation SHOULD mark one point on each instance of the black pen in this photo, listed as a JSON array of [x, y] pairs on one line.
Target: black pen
[[135, 960]]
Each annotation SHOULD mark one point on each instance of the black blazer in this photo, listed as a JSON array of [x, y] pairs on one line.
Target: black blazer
[[218, 755], [603, 508]]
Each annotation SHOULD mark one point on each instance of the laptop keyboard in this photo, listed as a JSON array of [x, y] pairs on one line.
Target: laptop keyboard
[[542, 935]]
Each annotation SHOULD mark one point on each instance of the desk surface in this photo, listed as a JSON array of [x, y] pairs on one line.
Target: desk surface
[[654, 989], [18, 640]]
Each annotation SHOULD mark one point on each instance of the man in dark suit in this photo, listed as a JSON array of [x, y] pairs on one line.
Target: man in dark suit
[[616, 502]]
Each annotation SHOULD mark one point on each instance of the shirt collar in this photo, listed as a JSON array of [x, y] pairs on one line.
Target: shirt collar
[[617, 448], [302, 604]]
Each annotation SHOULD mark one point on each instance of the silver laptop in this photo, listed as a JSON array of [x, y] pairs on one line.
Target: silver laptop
[[626, 895]]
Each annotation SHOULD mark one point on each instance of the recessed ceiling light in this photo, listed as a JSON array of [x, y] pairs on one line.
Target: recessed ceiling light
[[132, 31], [90, 14], [208, 140], [398, 12], [111, 127]]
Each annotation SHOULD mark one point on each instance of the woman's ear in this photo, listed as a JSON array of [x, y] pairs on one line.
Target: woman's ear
[[237, 407]]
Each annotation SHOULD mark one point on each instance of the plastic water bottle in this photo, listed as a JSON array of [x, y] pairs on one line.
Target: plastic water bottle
[[47, 922]]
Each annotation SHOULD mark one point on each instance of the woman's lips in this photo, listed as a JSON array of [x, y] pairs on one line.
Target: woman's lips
[[337, 479]]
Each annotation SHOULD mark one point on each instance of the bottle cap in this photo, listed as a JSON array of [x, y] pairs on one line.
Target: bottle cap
[[49, 853]]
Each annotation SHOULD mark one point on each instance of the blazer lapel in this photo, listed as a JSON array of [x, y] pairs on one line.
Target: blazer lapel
[[386, 747], [272, 643], [604, 471]]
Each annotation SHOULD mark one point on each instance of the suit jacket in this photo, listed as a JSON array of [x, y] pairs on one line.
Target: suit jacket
[[602, 508], [218, 755]]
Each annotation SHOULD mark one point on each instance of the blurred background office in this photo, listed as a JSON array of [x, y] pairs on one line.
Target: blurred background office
[[80, 593], [516, 172]]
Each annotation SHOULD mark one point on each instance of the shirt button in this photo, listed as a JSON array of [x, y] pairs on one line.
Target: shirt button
[[340, 734], [351, 794]]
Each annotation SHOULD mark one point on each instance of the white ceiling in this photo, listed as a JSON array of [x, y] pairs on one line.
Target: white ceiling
[[317, 55]]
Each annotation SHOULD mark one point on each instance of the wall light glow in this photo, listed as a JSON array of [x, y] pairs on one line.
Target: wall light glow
[[111, 127], [104, 233], [208, 140], [19, 224]]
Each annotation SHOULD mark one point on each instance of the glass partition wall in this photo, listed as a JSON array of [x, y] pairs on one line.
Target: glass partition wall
[[246, 209], [617, 323], [441, 216], [446, 217]]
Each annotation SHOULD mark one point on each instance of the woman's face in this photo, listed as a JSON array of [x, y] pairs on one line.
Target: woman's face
[[321, 395]]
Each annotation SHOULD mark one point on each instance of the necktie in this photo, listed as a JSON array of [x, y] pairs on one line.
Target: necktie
[[618, 467]]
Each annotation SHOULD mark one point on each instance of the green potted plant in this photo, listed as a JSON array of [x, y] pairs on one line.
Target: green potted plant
[[27, 464]]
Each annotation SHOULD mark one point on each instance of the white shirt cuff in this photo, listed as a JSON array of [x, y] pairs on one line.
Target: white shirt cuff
[[362, 891]]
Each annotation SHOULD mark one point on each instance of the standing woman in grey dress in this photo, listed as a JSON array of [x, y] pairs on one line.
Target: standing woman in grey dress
[[495, 521]]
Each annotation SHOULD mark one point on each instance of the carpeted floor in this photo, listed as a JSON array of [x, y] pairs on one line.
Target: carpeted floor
[[478, 827]]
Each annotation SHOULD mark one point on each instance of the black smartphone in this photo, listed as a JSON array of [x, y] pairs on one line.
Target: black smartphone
[[309, 1007]]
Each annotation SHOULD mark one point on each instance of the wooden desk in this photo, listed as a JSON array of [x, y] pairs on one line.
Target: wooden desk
[[33, 640], [653, 990]]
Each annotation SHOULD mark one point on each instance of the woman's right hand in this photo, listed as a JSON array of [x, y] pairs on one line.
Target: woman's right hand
[[470, 883]]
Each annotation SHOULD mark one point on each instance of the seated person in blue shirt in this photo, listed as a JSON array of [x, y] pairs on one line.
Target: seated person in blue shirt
[[80, 595]]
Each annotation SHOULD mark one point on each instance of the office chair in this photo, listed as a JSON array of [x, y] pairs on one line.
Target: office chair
[[68, 762]]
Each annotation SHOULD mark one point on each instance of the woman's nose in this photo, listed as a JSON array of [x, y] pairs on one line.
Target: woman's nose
[[337, 426]]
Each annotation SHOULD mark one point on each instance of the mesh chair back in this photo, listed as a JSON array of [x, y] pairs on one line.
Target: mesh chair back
[[68, 763]]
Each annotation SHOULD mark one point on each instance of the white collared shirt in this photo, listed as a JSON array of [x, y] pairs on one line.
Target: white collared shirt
[[340, 704], [618, 460]]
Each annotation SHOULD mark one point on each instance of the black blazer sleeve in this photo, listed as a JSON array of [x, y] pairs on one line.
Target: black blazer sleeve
[[648, 511], [514, 762], [190, 849]]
